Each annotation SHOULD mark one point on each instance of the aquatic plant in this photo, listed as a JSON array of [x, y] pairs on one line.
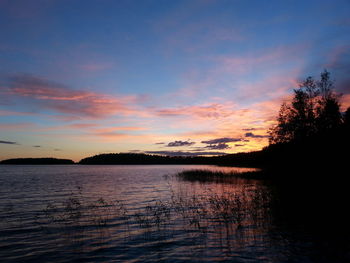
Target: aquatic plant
[[219, 176], [195, 215]]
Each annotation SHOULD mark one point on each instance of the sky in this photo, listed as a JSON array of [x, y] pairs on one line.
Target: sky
[[83, 77]]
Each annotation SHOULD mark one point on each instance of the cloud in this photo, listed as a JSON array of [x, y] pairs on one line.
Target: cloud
[[117, 132], [42, 93], [250, 129], [119, 129], [222, 140], [15, 113], [219, 146], [207, 111], [258, 60], [345, 101], [82, 125], [157, 143], [252, 135], [180, 143], [180, 153], [9, 142]]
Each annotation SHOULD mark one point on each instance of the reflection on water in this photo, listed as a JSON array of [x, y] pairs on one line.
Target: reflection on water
[[145, 213]]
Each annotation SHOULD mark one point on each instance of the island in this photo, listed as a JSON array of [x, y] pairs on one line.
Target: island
[[36, 161]]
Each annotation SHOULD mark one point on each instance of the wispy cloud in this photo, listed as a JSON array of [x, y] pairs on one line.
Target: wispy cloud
[[62, 99], [345, 100], [9, 142], [222, 140], [208, 111], [219, 146], [82, 125], [15, 113], [252, 135], [180, 143], [260, 58], [181, 153], [249, 129]]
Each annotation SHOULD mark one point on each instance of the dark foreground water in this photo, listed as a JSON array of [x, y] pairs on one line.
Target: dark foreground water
[[147, 214]]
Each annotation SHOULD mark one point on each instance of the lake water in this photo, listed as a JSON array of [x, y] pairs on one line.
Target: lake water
[[138, 213]]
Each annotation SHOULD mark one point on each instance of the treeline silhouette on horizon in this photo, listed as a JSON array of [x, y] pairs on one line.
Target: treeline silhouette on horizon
[[238, 159], [36, 161]]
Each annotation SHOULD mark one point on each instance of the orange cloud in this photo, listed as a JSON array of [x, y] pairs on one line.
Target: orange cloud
[[345, 102]]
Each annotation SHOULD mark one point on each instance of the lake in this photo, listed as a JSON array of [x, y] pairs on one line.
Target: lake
[[145, 213]]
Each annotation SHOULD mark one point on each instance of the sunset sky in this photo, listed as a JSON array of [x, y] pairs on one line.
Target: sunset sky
[[79, 78]]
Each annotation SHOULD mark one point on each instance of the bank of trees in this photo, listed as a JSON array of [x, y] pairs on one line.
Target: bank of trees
[[314, 110]]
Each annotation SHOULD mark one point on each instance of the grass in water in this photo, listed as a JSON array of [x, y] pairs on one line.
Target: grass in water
[[218, 176]]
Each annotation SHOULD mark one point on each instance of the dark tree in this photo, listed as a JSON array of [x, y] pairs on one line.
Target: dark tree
[[346, 118], [314, 109], [329, 116]]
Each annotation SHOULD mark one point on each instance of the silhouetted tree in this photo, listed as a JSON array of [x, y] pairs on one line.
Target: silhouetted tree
[[329, 116], [346, 118], [314, 109], [282, 132]]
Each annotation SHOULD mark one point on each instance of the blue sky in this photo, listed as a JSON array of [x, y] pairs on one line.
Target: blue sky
[[84, 77]]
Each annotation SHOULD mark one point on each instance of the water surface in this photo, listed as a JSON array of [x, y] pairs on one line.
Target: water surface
[[138, 213]]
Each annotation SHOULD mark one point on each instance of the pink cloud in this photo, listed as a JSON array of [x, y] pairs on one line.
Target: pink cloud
[[69, 101], [207, 111], [120, 128], [82, 125], [266, 74], [119, 136]]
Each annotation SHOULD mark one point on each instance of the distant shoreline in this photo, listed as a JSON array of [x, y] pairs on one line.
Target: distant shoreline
[[37, 161], [240, 159]]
